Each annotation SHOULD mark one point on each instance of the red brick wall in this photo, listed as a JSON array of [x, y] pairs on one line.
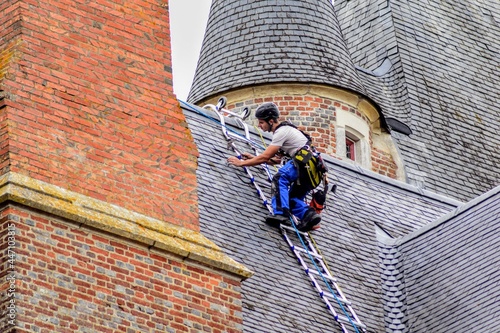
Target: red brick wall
[[90, 105], [77, 280], [312, 114], [383, 163], [316, 116]]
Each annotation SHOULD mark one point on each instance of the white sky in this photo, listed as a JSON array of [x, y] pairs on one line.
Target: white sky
[[188, 20]]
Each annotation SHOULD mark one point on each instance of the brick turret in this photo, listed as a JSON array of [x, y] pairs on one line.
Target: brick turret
[[294, 54]]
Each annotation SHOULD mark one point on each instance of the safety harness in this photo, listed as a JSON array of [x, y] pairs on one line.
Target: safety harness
[[310, 165]]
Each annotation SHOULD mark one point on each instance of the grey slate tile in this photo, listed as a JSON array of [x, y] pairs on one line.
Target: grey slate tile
[[232, 215]]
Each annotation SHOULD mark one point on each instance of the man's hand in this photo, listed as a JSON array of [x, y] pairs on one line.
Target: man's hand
[[274, 160], [237, 162], [234, 161], [248, 159]]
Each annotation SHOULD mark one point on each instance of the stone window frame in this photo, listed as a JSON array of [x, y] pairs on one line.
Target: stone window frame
[[356, 131]]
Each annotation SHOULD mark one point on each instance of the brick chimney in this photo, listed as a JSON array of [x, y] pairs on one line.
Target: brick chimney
[[99, 225], [87, 104]]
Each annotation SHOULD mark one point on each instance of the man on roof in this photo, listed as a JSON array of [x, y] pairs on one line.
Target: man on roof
[[288, 193]]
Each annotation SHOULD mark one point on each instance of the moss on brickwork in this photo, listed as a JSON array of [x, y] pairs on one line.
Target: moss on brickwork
[[8, 54], [116, 220]]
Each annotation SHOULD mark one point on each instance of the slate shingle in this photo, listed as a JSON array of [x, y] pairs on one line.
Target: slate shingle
[[279, 295], [450, 272]]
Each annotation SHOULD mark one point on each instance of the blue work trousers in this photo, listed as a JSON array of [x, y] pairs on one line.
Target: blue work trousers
[[287, 194]]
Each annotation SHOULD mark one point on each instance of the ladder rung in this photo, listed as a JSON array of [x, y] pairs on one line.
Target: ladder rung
[[345, 320], [325, 275], [287, 227], [336, 298], [317, 256]]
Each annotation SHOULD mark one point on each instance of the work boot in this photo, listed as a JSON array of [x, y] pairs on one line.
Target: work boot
[[309, 221], [276, 220]]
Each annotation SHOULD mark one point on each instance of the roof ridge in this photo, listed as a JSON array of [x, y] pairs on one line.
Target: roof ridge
[[446, 217]]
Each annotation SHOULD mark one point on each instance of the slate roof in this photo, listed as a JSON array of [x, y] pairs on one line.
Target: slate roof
[[443, 83], [279, 297], [254, 42], [446, 274], [431, 65]]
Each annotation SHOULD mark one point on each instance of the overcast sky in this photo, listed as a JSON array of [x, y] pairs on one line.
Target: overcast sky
[[188, 20]]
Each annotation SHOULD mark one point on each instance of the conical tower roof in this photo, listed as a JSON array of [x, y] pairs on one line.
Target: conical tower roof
[[256, 42]]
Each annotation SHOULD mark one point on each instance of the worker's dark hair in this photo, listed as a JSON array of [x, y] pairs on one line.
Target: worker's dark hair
[[267, 111]]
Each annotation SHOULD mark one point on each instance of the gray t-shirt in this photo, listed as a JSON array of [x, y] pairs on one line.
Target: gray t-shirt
[[289, 139]]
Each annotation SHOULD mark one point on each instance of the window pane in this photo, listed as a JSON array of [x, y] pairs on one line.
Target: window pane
[[350, 151]]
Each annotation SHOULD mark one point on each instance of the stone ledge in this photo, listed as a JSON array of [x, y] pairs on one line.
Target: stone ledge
[[116, 220]]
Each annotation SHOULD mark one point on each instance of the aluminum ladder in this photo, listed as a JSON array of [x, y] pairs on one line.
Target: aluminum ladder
[[307, 253], [328, 289]]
